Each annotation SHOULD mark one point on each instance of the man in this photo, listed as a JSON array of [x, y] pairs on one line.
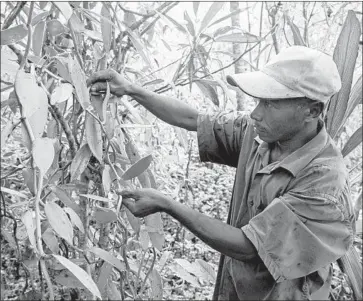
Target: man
[[290, 215]]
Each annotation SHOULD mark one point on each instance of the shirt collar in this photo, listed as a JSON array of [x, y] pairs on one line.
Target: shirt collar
[[297, 160]]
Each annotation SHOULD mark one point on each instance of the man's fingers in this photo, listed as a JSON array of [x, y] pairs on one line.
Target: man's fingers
[[127, 194], [100, 76], [100, 86]]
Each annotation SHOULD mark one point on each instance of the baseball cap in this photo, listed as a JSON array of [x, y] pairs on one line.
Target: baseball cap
[[297, 71]]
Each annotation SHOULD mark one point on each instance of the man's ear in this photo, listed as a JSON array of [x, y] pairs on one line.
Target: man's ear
[[315, 109]]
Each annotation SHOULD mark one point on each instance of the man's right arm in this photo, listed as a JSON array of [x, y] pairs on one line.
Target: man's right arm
[[168, 109]]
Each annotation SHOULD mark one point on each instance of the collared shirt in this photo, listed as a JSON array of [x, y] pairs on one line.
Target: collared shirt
[[297, 212]]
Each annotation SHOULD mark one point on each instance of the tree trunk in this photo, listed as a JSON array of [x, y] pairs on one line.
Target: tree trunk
[[237, 50]]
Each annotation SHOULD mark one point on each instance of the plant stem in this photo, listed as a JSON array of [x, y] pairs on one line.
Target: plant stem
[[13, 14], [37, 213], [30, 34], [148, 272], [47, 279]]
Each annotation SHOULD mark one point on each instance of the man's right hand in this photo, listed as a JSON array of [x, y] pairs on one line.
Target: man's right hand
[[118, 85]]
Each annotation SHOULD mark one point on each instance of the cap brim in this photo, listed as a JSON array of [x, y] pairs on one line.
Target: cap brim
[[260, 85]]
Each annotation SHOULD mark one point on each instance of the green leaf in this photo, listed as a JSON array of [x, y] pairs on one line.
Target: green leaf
[[43, 4], [355, 98], [190, 24], [298, 40], [129, 18], [106, 27], [30, 226], [195, 7], [65, 197], [353, 142], [222, 30], [181, 272], [112, 292], [144, 238], [209, 91], [79, 81], [178, 26], [76, 24], [136, 41], [61, 93], [43, 153], [105, 215], [6, 132], [28, 176], [55, 28], [208, 271], [154, 226], [107, 178], [13, 101], [13, 34], [102, 281], [65, 9], [38, 38], [67, 279], [134, 221], [59, 221], [138, 168], [80, 274], [97, 198], [94, 35], [213, 10], [237, 38], [75, 219], [94, 136], [156, 285], [51, 240], [40, 17], [345, 56], [236, 12], [80, 161], [108, 257]]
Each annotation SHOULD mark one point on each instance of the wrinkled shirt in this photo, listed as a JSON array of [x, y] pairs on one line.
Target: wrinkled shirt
[[296, 212]]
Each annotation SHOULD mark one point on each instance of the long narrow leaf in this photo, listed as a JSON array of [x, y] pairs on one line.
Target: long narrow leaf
[[213, 10], [355, 98], [298, 40], [236, 12], [345, 56], [353, 142]]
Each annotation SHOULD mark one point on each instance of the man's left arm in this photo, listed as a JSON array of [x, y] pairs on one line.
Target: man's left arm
[[228, 240]]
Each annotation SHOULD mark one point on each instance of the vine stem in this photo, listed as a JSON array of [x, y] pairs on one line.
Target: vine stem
[[47, 279], [37, 214], [30, 34], [148, 272], [13, 14]]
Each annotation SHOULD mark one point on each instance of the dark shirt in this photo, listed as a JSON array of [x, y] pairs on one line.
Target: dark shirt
[[297, 212]]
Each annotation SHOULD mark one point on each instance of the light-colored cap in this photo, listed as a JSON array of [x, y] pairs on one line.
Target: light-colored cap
[[297, 71]]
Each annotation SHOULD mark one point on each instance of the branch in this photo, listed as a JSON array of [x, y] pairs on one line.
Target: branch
[[17, 52], [13, 14]]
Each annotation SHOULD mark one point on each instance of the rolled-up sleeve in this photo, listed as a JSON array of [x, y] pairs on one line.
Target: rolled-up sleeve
[[304, 229], [220, 136]]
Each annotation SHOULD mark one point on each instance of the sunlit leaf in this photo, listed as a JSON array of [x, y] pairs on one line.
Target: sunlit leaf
[[236, 12], [94, 136], [144, 238], [190, 24], [106, 178], [65, 9], [80, 161], [38, 38], [13, 34], [75, 219], [156, 285], [208, 271], [345, 56], [80, 274], [43, 153], [136, 41], [237, 38], [76, 23], [61, 93], [209, 91], [106, 27], [51, 240], [298, 40], [355, 98], [108, 257], [79, 81], [181, 272], [30, 226], [55, 27], [212, 11], [137, 168], [195, 7], [133, 220], [40, 17], [59, 221], [353, 142], [65, 197]]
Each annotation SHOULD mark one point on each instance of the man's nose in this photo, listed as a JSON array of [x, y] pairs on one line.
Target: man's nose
[[257, 113]]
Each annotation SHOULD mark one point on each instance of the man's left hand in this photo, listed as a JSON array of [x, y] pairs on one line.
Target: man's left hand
[[144, 202]]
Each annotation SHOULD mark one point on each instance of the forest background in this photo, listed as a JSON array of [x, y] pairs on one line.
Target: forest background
[[64, 152]]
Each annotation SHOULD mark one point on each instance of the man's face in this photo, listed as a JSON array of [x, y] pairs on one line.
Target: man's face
[[278, 119]]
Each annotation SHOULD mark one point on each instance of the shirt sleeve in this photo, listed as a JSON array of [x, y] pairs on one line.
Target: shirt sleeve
[[306, 228], [220, 136]]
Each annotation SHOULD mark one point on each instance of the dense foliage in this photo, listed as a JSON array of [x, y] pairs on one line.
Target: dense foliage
[[66, 152]]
